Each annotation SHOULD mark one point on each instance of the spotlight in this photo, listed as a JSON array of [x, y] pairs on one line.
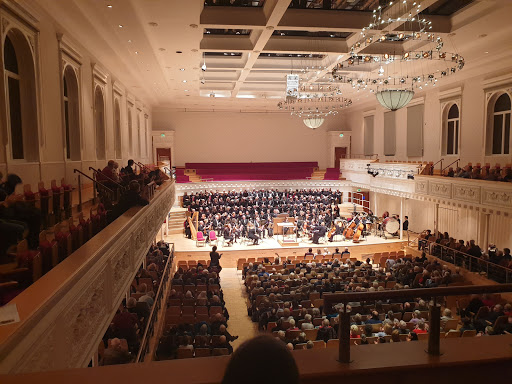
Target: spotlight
[[410, 177]]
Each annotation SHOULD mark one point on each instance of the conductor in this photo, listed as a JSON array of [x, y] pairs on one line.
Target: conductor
[[215, 258], [318, 232]]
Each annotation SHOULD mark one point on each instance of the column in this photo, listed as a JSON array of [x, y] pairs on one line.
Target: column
[[401, 217]]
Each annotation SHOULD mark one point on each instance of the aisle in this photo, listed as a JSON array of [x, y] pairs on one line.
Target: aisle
[[239, 323]]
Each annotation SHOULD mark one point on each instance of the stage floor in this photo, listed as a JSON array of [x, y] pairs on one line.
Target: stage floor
[[186, 249]]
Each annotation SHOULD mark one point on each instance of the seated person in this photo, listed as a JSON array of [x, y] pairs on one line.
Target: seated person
[[115, 354]]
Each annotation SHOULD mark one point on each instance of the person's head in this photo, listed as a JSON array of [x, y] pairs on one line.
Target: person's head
[[115, 343], [368, 330], [395, 336], [388, 329], [131, 162], [325, 322], [214, 248], [421, 325], [357, 318], [131, 303], [111, 164], [310, 345], [292, 323], [203, 330], [134, 186], [354, 330], [447, 312], [307, 318]]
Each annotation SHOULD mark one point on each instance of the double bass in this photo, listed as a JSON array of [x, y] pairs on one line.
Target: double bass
[[349, 231], [358, 232]]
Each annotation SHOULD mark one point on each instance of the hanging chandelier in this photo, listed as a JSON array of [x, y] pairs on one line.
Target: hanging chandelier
[[313, 122], [393, 76], [394, 99]]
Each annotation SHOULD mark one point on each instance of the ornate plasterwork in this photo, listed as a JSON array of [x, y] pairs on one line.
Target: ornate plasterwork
[[496, 197], [466, 193], [64, 330], [440, 189], [421, 187]]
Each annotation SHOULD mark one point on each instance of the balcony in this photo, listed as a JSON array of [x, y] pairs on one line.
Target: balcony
[[64, 315]]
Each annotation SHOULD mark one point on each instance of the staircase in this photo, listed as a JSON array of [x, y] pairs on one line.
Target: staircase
[[177, 218], [318, 174]]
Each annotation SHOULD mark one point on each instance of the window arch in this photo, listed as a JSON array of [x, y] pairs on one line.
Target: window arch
[[21, 102], [451, 129], [500, 123], [130, 131], [71, 114], [99, 122], [117, 129]]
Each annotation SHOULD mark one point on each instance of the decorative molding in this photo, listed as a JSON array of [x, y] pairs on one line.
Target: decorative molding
[[498, 81], [417, 101], [71, 50], [370, 112], [466, 193], [450, 93], [99, 73], [118, 88], [62, 331]]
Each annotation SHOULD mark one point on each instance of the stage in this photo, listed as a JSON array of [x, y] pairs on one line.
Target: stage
[[186, 249]]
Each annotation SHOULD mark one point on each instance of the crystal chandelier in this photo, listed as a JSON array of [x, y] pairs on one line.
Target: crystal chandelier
[[313, 122], [394, 99]]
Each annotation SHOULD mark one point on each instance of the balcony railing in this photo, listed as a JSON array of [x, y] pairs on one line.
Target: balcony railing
[[435, 294], [65, 314]]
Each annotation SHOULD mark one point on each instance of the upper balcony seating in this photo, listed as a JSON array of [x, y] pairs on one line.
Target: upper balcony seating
[[254, 171], [332, 174]]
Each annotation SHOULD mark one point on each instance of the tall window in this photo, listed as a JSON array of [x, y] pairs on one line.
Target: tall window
[[130, 131], [21, 105], [99, 121], [71, 114], [452, 130], [117, 129], [501, 126]]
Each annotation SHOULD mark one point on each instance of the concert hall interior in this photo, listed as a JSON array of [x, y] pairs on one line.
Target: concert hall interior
[[221, 191]]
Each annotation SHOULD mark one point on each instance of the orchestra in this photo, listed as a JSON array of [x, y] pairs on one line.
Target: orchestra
[[315, 213]]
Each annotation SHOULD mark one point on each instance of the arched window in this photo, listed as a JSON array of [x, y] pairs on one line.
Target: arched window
[[99, 122], [71, 114], [501, 125], [21, 105], [451, 129], [138, 135], [130, 131], [117, 129]]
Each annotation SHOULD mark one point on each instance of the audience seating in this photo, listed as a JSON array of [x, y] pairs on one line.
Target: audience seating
[[253, 171]]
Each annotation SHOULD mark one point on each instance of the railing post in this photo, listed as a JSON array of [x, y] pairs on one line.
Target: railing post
[[79, 206], [434, 329], [344, 335]]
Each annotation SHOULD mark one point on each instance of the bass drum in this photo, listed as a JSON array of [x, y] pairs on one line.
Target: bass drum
[[390, 225]]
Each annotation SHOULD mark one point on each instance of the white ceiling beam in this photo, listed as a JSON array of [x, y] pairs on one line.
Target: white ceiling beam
[[273, 11]]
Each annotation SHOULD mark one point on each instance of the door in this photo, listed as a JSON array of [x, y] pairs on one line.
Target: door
[[339, 153], [163, 155]]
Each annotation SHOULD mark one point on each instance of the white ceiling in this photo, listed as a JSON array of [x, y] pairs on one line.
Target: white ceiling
[[144, 56]]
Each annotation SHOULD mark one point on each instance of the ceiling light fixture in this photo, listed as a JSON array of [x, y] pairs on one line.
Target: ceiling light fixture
[[109, 6], [182, 69], [120, 26], [394, 99], [184, 81]]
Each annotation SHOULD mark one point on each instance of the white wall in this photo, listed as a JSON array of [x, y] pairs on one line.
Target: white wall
[[244, 137], [472, 122], [53, 163]]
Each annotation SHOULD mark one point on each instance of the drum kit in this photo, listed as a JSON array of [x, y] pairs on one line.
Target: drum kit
[[389, 225]]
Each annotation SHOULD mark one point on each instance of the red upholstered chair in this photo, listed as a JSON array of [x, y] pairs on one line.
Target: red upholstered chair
[[213, 237], [200, 239]]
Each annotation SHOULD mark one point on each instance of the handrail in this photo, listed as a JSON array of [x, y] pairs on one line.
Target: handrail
[[80, 173], [433, 165], [456, 161], [170, 172], [157, 304], [450, 255], [360, 156], [434, 313], [142, 166], [112, 180]]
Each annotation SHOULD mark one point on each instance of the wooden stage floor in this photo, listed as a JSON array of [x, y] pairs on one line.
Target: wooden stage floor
[[186, 249]]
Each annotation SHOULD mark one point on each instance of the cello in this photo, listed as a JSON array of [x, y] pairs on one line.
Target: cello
[[358, 232], [332, 231]]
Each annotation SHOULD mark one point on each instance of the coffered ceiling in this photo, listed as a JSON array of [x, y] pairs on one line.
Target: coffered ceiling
[[158, 47]]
